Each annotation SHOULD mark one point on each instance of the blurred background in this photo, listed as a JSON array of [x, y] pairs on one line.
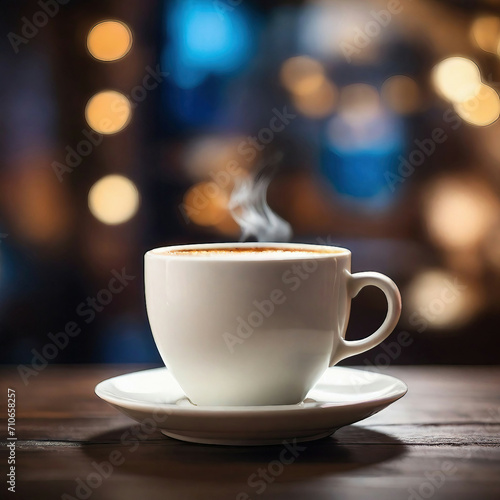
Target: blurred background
[[126, 126]]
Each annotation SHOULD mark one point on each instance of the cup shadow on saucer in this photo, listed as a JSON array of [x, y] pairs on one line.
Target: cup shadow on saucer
[[165, 459]]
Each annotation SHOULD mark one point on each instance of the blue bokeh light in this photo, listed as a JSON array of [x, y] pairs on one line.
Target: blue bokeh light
[[357, 160], [204, 39]]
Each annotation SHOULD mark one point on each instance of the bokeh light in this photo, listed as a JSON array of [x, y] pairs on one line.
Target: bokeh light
[[481, 110], [214, 156], [401, 94], [228, 226], [108, 112], [206, 37], [302, 75], [40, 209], [439, 299], [459, 212], [485, 31], [206, 204], [359, 103], [109, 40], [114, 199], [456, 79], [318, 103]]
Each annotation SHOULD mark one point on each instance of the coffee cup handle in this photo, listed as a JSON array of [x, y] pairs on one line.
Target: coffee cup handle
[[355, 282]]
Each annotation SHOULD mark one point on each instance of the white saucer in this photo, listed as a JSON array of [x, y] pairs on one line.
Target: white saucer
[[341, 397]]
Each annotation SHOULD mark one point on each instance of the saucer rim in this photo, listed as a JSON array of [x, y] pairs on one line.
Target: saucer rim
[[130, 404]]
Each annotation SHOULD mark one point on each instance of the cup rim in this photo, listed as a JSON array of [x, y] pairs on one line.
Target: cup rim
[[333, 253]]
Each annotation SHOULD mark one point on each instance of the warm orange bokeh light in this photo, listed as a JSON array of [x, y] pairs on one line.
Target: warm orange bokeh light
[[302, 75], [114, 199], [481, 110], [441, 299], [108, 112], [206, 204], [109, 40], [485, 31], [456, 78], [318, 103], [459, 212], [39, 208]]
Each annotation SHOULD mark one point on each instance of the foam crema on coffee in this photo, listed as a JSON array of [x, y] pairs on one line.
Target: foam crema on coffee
[[251, 251]]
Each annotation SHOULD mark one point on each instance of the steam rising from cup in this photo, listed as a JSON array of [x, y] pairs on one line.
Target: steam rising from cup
[[249, 208]]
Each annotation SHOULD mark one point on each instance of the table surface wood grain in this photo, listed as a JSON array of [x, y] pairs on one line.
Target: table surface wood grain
[[441, 441]]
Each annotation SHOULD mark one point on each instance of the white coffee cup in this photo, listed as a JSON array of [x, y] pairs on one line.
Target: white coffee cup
[[238, 328]]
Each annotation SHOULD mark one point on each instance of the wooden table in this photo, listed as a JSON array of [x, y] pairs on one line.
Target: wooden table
[[440, 441]]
